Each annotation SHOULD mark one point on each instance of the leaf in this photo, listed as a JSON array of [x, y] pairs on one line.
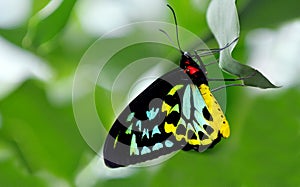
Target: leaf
[[223, 21], [48, 22]]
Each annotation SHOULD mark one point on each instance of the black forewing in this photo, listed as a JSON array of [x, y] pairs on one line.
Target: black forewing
[[117, 146]]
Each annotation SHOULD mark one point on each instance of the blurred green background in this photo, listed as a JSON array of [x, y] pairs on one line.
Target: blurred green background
[[41, 45]]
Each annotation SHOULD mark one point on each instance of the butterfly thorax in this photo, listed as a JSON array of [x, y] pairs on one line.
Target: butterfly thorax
[[193, 70]]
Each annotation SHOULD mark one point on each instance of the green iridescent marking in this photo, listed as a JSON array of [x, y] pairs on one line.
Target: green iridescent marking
[[133, 146], [128, 131], [186, 104], [181, 122], [175, 108], [116, 140], [130, 116]]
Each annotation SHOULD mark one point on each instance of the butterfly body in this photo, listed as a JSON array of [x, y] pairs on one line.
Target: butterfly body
[[177, 111]]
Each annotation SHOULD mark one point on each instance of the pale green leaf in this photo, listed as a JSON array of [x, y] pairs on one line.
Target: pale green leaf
[[222, 18]]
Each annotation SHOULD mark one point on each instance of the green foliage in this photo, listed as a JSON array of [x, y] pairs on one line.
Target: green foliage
[[43, 27], [40, 144]]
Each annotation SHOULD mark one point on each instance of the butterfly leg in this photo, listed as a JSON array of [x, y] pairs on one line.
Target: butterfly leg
[[230, 85], [232, 79], [207, 52], [225, 86]]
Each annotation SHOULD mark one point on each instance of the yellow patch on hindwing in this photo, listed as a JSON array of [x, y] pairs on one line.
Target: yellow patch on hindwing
[[217, 123], [203, 98], [170, 128], [219, 120]]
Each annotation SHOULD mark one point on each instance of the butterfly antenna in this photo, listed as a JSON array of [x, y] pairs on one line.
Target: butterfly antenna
[[165, 33], [175, 20]]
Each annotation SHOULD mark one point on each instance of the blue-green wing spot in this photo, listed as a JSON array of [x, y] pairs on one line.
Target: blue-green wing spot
[[157, 147], [186, 103], [139, 124], [133, 146], [145, 150], [155, 131], [169, 143], [130, 116], [151, 114], [145, 133]]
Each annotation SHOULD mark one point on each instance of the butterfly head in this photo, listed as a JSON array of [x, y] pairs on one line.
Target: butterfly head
[[193, 70]]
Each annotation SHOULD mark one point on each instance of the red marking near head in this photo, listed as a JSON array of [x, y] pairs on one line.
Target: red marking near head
[[191, 70]]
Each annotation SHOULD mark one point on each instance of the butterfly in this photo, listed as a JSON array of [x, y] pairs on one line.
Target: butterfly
[[176, 112]]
